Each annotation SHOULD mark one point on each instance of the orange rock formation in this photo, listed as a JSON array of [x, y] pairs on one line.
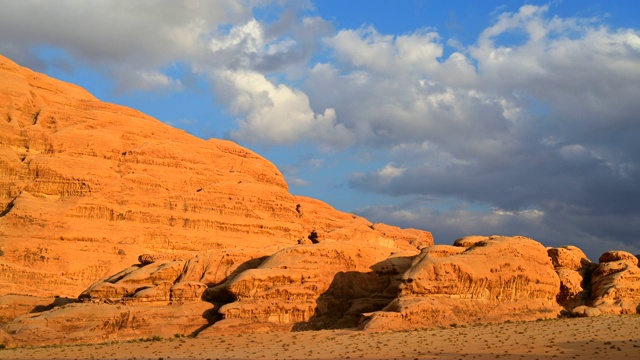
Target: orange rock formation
[[87, 188], [574, 270], [484, 279]]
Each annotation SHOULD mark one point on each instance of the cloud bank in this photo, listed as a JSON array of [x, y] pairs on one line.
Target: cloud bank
[[543, 127]]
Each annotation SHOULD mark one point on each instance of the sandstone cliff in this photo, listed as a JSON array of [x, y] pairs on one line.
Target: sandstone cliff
[[86, 187]]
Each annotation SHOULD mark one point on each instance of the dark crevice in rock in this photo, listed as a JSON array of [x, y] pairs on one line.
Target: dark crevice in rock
[[8, 207], [59, 301], [314, 237], [35, 117], [212, 316]]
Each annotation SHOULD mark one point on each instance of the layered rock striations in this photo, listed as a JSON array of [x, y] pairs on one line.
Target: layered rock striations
[[314, 287], [87, 186], [484, 279]]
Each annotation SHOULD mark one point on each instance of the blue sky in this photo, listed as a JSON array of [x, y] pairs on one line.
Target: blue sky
[[459, 117]]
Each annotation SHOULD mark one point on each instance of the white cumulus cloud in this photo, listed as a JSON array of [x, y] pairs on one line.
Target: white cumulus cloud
[[277, 114]]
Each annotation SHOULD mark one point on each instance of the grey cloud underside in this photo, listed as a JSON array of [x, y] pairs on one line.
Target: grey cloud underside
[[570, 152], [539, 179]]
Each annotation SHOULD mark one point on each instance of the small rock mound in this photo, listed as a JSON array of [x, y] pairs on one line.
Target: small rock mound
[[616, 284], [611, 256], [585, 311], [574, 270], [146, 259]]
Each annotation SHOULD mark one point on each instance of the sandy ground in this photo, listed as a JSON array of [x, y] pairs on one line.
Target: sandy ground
[[608, 337]]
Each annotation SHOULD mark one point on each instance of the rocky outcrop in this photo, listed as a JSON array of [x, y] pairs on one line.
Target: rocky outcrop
[[338, 284], [87, 186], [315, 286], [90, 323], [574, 270], [615, 286], [12, 306], [323, 285], [168, 280], [490, 280]]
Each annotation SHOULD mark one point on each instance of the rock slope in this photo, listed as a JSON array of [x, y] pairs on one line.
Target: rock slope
[[87, 186]]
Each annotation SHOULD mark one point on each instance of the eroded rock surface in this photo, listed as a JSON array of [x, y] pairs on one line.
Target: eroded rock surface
[[87, 186], [315, 286], [12, 306], [574, 270], [490, 280], [615, 285], [90, 323]]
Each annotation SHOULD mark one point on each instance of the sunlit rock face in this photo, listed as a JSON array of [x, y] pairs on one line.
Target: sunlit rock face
[[87, 186], [615, 287], [315, 287], [144, 230], [574, 270], [483, 279]]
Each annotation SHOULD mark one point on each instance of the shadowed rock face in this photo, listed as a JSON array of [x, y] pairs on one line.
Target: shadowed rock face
[[86, 186], [614, 286], [315, 286]]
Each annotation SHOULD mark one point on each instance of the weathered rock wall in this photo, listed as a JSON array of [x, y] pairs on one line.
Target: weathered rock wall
[[491, 279], [336, 284], [616, 284], [315, 286], [87, 186], [574, 270]]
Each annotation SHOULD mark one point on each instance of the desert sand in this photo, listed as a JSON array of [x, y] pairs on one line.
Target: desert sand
[[610, 337]]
